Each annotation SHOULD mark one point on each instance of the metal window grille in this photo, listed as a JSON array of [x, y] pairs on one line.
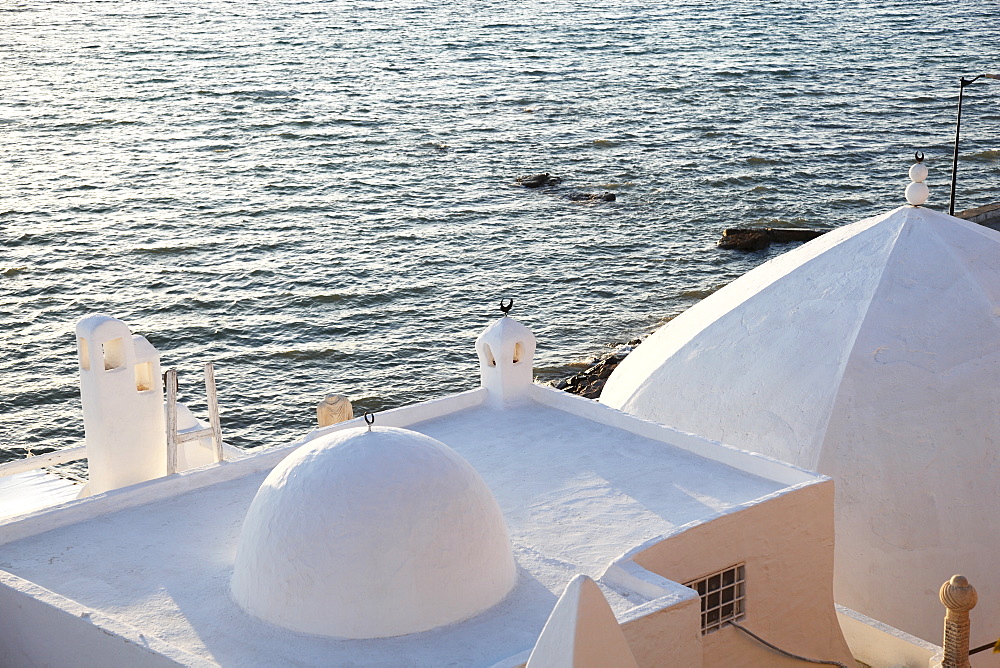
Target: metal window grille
[[723, 597]]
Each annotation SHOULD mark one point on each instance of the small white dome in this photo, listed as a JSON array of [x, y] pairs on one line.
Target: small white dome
[[371, 534]]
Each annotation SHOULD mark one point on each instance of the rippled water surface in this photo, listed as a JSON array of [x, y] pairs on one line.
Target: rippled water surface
[[319, 196]]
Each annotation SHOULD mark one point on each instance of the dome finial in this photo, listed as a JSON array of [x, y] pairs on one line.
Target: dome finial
[[369, 419], [506, 305], [917, 192]]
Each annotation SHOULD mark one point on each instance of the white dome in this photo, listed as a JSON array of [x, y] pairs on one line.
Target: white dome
[[872, 355], [371, 534]]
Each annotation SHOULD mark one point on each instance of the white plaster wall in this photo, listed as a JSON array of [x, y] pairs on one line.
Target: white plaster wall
[[881, 646], [667, 631], [407, 415], [786, 543], [581, 632], [876, 362], [40, 628], [912, 443], [751, 462], [663, 632]]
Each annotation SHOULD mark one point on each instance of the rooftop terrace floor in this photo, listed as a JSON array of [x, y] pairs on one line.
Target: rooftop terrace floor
[[575, 493]]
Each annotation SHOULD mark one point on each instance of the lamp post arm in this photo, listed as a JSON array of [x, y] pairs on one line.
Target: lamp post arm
[[954, 160], [962, 83]]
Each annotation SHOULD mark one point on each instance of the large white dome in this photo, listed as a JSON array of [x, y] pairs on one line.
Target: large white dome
[[371, 534], [871, 354]]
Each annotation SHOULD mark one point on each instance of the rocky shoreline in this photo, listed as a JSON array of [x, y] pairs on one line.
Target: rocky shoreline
[[589, 382]]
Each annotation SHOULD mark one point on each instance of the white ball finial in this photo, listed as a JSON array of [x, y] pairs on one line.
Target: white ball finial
[[917, 192]]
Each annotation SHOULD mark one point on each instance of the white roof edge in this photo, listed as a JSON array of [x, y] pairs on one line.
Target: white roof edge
[[515, 661], [844, 611], [692, 322], [682, 595], [623, 571], [743, 460], [626, 575], [79, 510], [112, 626], [655, 540]]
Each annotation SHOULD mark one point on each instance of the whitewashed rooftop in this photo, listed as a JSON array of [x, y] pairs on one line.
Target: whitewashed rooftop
[[579, 485]]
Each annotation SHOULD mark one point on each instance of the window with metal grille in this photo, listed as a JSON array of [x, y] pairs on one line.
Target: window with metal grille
[[723, 597]]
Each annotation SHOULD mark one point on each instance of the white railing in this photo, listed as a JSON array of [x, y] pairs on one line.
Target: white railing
[[40, 461], [174, 439]]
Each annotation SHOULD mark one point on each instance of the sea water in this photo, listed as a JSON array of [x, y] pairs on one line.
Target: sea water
[[320, 196]]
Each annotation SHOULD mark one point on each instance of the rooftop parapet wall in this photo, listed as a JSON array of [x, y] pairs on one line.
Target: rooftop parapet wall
[[667, 626], [582, 632], [786, 546], [557, 478], [744, 460], [41, 628], [150, 491], [880, 645]]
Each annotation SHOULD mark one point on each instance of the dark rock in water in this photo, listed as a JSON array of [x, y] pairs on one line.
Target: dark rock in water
[[751, 239], [589, 382], [745, 240], [539, 180], [784, 235], [593, 197]]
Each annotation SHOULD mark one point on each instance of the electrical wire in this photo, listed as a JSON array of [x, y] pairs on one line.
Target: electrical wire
[[788, 654]]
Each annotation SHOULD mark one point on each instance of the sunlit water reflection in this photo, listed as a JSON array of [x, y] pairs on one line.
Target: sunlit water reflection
[[319, 196]]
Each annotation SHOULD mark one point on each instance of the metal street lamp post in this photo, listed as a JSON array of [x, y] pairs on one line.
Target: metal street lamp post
[[963, 82]]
